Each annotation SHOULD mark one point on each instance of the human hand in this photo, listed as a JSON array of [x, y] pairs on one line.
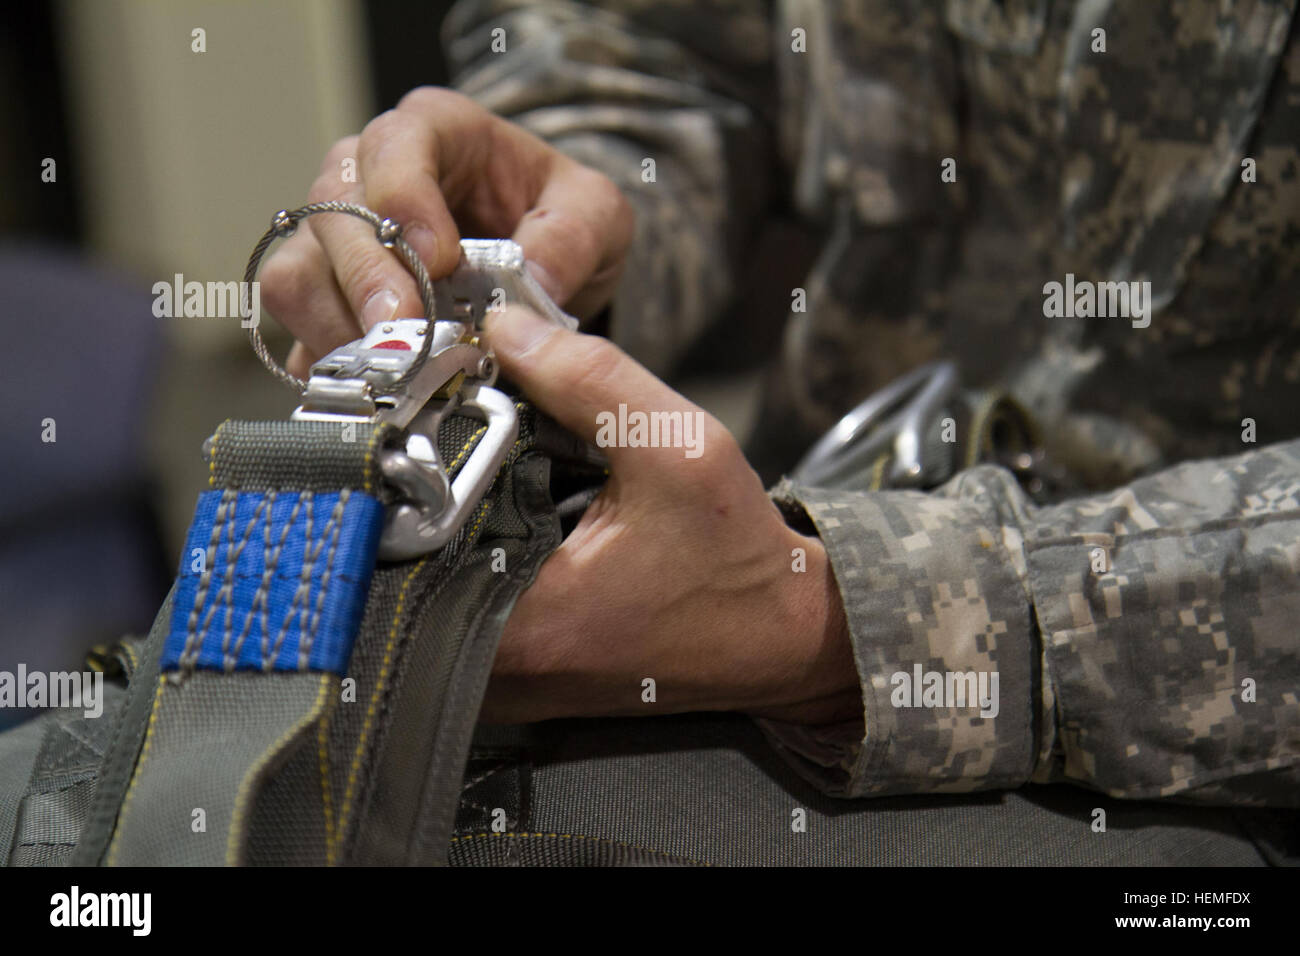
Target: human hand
[[681, 571], [437, 162]]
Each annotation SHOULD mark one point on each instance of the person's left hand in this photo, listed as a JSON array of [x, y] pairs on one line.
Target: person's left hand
[[681, 571]]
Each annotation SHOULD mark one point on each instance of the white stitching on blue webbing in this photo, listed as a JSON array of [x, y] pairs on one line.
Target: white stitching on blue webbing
[[190, 652], [263, 594], [230, 654], [227, 593], [336, 521]]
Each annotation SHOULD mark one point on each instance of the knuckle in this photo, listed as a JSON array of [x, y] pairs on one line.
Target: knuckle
[[328, 186], [586, 239], [617, 213], [603, 189], [724, 455], [580, 235], [624, 218], [605, 219], [595, 362], [396, 191], [720, 470], [284, 282], [426, 99], [344, 148], [362, 275], [381, 129]]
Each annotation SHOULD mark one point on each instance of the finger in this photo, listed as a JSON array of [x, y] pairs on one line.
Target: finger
[[576, 235], [373, 281], [581, 380], [400, 157], [299, 291], [573, 223], [300, 360]]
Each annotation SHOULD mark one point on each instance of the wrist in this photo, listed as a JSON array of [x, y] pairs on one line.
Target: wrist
[[817, 678]]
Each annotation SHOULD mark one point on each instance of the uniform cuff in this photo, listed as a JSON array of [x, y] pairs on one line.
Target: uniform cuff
[[943, 637]]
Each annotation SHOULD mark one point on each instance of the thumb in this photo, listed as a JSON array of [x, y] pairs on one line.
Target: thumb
[[581, 380]]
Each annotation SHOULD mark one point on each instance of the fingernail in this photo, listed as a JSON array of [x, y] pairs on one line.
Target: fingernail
[[380, 307], [422, 240], [516, 330]]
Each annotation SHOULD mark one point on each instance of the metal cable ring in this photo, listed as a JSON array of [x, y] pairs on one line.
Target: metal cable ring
[[389, 233]]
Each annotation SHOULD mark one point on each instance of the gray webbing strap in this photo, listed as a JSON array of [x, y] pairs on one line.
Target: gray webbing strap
[[433, 665], [124, 745], [218, 725], [210, 745], [61, 783], [59, 791], [311, 767]]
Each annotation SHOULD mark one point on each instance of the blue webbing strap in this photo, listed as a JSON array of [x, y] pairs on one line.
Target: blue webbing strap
[[273, 581], [268, 604]]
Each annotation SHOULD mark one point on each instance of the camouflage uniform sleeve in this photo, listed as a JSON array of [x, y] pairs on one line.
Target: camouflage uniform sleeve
[[667, 100], [1144, 639]]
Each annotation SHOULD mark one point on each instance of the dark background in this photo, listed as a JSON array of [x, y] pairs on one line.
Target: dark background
[[34, 105]]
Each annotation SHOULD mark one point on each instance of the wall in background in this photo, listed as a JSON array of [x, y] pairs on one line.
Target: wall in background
[[183, 156]]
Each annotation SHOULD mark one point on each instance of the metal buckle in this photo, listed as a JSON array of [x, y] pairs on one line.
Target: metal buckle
[[413, 373], [456, 377], [891, 421]]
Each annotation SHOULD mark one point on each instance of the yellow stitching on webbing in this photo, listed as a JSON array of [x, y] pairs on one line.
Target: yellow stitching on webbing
[[130, 652], [375, 432], [135, 776], [482, 514], [465, 448], [346, 807], [326, 791], [243, 795], [334, 835], [212, 455], [579, 836]]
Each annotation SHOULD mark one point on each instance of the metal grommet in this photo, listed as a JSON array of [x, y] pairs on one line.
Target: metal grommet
[[389, 233], [284, 224]]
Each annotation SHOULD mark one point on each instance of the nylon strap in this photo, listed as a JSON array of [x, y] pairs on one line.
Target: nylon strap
[[266, 607], [311, 708]]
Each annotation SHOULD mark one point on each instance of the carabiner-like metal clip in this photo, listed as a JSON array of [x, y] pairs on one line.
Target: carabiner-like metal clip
[[421, 525], [457, 377], [891, 423]]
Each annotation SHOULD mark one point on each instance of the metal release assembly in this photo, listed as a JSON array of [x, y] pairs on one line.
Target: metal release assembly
[[355, 383], [456, 377], [413, 373]]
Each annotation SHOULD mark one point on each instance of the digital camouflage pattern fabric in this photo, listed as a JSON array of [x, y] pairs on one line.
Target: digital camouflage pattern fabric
[[957, 157]]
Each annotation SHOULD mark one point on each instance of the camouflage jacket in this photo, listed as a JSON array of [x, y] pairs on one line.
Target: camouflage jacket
[[957, 156]]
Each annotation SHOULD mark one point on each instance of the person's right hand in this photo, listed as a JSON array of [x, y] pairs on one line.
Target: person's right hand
[[442, 166]]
